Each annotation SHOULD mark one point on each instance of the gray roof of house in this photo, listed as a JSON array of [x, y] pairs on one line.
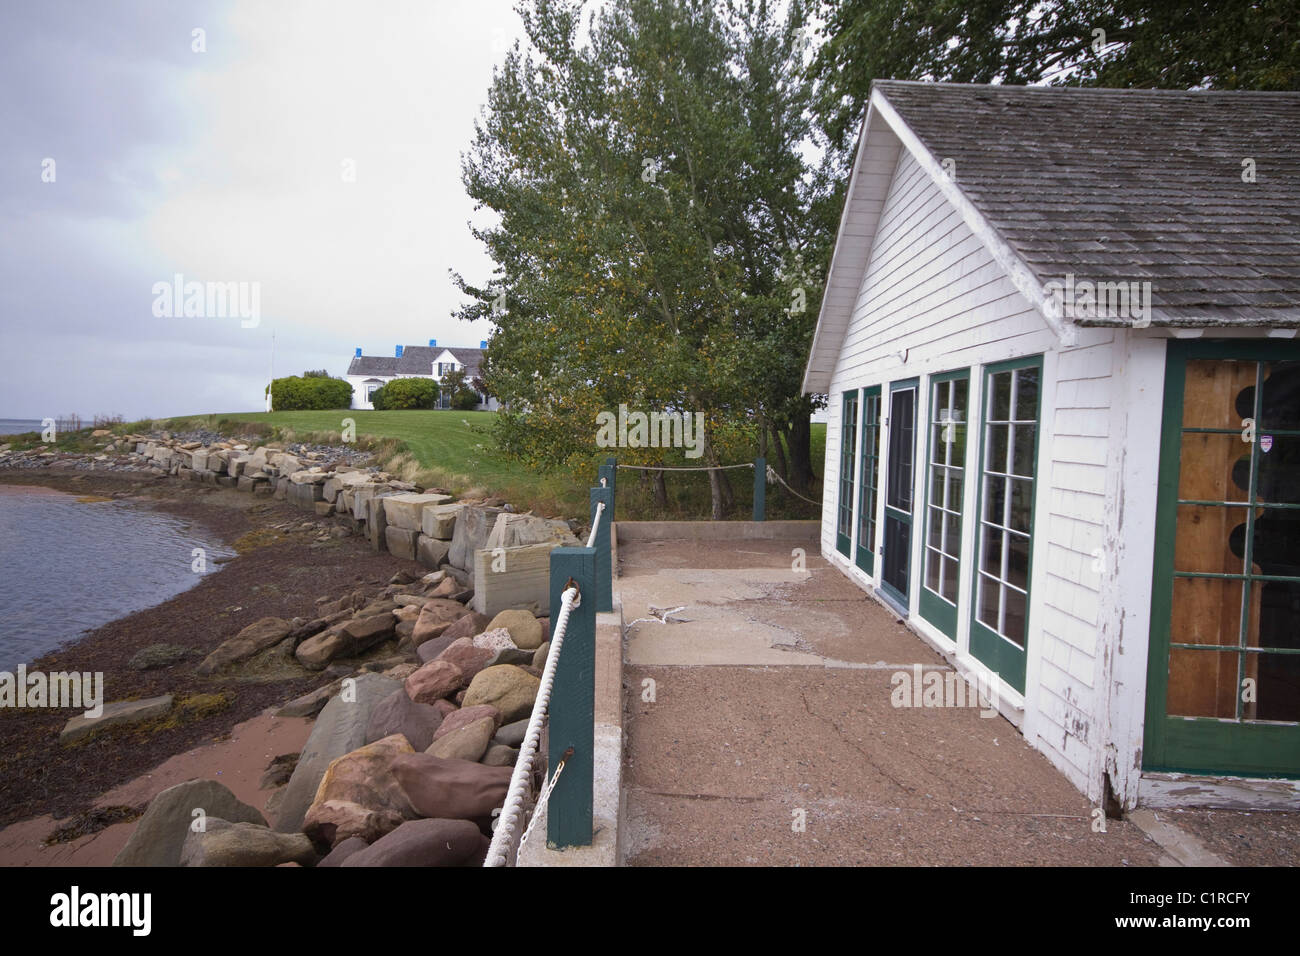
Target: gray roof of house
[[1132, 185], [415, 360]]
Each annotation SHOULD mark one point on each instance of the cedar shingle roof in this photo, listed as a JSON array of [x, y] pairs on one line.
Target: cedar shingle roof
[[1132, 185], [415, 360]]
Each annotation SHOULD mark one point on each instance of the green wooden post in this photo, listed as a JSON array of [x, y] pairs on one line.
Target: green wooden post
[[608, 472], [760, 489], [604, 593], [573, 703]]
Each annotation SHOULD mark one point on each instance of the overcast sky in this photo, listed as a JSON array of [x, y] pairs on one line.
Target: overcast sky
[[229, 166]]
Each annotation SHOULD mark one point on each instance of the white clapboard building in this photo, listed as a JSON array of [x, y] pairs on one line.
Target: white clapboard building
[[1059, 344]]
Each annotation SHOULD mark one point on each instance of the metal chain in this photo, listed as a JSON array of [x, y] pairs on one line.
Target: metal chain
[[541, 802]]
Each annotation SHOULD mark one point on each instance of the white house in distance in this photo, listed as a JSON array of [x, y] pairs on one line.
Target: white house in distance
[[1093, 501], [368, 372]]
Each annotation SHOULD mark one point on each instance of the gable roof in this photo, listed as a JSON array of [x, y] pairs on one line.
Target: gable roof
[[1105, 184], [415, 360]]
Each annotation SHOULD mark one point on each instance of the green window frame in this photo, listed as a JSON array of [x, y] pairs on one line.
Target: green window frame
[[945, 462], [869, 487], [1218, 744], [848, 461], [1004, 529]]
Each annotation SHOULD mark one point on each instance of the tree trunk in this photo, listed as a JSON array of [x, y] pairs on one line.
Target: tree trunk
[[719, 487], [783, 469], [661, 493], [800, 436]]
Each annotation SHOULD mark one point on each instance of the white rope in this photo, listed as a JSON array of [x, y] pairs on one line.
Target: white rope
[[773, 476], [595, 524], [542, 797], [748, 464], [512, 808]]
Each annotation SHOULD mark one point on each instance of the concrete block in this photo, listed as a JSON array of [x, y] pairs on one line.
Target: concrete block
[[304, 495], [440, 521], [401, 542], [513, 578], [405, 511], [376, 522], [199, 457], [282, 489], [431, 552]]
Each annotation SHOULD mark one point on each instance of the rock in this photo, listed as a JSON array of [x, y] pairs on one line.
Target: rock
[[451, 789], [540, 655], [499, 755], [438, 615], [523, 627], [467, 657], [510, 655], [445, 707], [347, 639], [465, 743], [473, 526], [429, 650], [158, 655], [222, 843], [467, 626], [279, 771], [401, 671], [508, 688], [258, 636], [340, 729], [401, 542], [440, 521], [496, 639], [466, 716], [406, 511], [426, 843], [512, 735], [431, 552], [398, 714], [160, 835], [310, 703], [118, 714], [433, 681], [358, 796], [343, 851], [446, 589]]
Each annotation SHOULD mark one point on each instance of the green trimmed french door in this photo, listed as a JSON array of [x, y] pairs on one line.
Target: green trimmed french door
[[869, 482], [848, 461], [945, 464], [1223, 676], [1004, 539], [900, 465]]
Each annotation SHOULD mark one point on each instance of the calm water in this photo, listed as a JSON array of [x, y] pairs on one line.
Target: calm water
[[16, 426], [67, 566]]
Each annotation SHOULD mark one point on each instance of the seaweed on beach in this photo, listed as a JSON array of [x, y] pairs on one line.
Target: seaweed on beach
[[92, 821]]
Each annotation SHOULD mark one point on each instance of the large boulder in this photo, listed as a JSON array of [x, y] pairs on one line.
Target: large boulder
[[440, 521], [120, 713], [398, 714], [342, 851], [437, 615], [473, 526], [466, 716], [431, 552], [258, 636], [524, 628], [400, 541], [467, 626], [465, 743], [159, 837], [407, 511], [453, 789], [434, 681], [358, 796], [340, 729], [429, 650], [507, 687], [222, 843], [467, 657], [425, 843], [346, 639]]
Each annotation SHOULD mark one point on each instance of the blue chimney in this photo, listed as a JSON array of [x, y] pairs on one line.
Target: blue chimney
[[399, 351], [483, 344], [433, 343], [358, 353]]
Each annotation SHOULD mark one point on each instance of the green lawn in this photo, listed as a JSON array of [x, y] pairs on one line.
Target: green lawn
[[456, 450]]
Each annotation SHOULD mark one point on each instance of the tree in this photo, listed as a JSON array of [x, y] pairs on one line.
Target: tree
[[460, 394], [309, 392], [1167, 44], [650, 188], [405, 393]]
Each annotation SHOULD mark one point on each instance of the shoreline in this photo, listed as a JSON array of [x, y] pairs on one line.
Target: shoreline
[[285, 560]]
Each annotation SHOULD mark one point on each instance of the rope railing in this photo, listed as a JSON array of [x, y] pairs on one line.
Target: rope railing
[[521, 780], [595, 524]]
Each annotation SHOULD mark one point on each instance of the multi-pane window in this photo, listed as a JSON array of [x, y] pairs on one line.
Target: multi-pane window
[[848, 460], [1010, 444], [947, 458], [869, 493]]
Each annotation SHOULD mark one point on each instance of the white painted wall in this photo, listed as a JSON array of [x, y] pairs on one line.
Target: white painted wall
[[932, 288]]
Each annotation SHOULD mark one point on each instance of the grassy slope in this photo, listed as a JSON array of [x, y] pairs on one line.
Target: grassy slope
[[456, 450]]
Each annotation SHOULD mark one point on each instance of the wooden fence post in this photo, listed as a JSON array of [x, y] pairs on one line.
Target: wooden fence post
[[573, 703], [604, 587]]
